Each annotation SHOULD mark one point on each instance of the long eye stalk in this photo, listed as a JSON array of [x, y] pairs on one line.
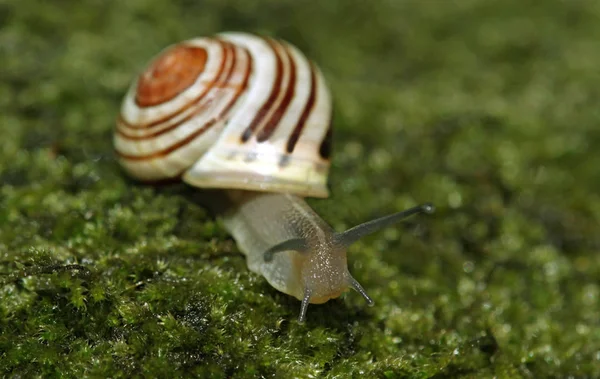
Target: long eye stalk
[[352, 235]]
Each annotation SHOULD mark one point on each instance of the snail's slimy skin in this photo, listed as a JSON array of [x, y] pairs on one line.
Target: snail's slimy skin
[[297, 252], [259, 221]]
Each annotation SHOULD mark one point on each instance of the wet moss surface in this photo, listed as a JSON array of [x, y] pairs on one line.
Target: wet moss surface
[[489, 109]]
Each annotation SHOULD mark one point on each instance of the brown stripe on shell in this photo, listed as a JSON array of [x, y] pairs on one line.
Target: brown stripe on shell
[[122, 123], [276, 116], [222, 83], [131, 137], [238, 92], [170, 149], [242, 88], [228, 56], [325, 148], [210, 123], [262, 112], [291, 143], [171, 73]]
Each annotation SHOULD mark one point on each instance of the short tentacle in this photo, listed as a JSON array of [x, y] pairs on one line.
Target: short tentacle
[[296, 244], [355, 285], [304, 307]]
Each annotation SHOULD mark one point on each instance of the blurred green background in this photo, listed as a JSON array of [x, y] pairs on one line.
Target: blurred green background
[[489, 109]]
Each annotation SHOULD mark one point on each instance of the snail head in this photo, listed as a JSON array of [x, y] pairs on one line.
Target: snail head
[[326, 265]]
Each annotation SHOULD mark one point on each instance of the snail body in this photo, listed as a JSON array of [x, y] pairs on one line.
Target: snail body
[[249, 115]]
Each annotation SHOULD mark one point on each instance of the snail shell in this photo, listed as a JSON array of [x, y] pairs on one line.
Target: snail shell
[[230, 111]]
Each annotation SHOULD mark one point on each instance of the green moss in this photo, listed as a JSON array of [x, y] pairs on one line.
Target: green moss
[[486, 108]]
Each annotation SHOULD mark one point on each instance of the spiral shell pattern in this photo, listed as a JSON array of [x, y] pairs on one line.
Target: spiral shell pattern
[[230, 111]]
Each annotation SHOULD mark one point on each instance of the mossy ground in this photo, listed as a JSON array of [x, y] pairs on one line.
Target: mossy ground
[[489, 109]]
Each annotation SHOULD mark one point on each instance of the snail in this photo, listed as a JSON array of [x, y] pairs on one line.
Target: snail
[[249, 115]]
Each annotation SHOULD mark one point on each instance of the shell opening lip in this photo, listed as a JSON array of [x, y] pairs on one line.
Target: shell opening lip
[[255, 182]]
